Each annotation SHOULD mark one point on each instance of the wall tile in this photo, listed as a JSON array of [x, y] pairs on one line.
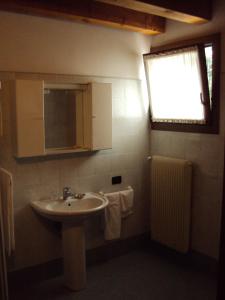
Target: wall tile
[[41, 178], [206, 153]]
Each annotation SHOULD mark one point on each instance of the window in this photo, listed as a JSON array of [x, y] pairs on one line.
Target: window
[[183, 85]]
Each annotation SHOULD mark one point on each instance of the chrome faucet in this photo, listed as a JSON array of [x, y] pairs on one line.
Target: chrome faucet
[[67, 193]]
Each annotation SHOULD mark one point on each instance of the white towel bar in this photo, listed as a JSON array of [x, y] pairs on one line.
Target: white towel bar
[[128, 188]]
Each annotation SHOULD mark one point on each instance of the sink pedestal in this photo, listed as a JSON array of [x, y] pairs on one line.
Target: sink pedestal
[[72, 213], [73, 237]]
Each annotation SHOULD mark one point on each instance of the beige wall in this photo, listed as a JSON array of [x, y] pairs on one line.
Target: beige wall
[[205, 150], [31, 44]]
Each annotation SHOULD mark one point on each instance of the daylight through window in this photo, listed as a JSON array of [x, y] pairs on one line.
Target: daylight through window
[[183, 85]]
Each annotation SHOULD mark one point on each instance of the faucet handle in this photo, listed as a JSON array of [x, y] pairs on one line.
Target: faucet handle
[[67, 192], [66, 189]]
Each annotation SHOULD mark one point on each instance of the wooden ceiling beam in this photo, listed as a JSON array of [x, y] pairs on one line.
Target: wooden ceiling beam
[[89, 12], [188, 11]]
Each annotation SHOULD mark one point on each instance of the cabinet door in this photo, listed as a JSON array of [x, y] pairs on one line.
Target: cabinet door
[[29, 118], [101, 94], [79, 119]]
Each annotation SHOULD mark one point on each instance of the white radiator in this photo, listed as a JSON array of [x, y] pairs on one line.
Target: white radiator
[[171, 202]]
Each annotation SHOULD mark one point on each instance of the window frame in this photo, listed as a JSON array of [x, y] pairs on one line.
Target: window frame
[[212, 115]]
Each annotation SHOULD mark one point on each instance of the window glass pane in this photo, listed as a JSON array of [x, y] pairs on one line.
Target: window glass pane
[[175, 86], [208, 56]]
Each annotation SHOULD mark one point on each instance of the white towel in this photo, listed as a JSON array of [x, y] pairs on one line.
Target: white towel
[[113, 217], [126, 202], [7, 213]]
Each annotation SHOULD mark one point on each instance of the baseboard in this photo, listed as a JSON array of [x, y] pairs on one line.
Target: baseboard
[[108, 251], [54, 268]]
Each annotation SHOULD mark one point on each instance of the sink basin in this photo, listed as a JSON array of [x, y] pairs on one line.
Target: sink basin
[[72, 213], [71, 209]]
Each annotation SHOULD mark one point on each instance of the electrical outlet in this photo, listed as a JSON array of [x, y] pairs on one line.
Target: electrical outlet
[[116, 179]]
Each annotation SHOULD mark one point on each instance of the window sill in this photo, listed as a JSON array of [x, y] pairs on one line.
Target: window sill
[[195, 128]]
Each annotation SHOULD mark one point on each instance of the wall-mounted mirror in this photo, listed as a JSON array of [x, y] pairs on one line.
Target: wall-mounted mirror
[[63, 116]]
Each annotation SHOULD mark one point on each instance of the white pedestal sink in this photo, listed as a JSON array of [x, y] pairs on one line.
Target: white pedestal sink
[[72, 213], [74, 259]]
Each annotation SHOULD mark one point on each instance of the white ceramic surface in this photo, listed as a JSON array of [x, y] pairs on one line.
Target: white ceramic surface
[[71, 213], [69, 210]]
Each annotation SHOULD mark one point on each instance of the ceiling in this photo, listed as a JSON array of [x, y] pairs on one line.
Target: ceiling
[[145, 16]]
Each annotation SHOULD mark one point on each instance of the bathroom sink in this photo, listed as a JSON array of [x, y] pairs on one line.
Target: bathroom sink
[[72, 212], [71, 209]]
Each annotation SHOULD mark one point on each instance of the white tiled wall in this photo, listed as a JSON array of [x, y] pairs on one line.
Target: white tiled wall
[[38, 240], [206, 153], [205, 150]]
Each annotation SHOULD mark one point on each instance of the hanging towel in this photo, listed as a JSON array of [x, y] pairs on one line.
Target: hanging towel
[[7, 213], [113, 217], [126, 202]]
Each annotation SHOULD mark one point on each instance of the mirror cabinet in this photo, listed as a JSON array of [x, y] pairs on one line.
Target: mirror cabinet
[[52, 118]]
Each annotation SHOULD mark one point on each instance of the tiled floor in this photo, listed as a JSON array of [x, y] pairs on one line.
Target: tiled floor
[[135, 276]]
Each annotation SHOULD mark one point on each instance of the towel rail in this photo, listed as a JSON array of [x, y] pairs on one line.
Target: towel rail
[[129, 187]]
